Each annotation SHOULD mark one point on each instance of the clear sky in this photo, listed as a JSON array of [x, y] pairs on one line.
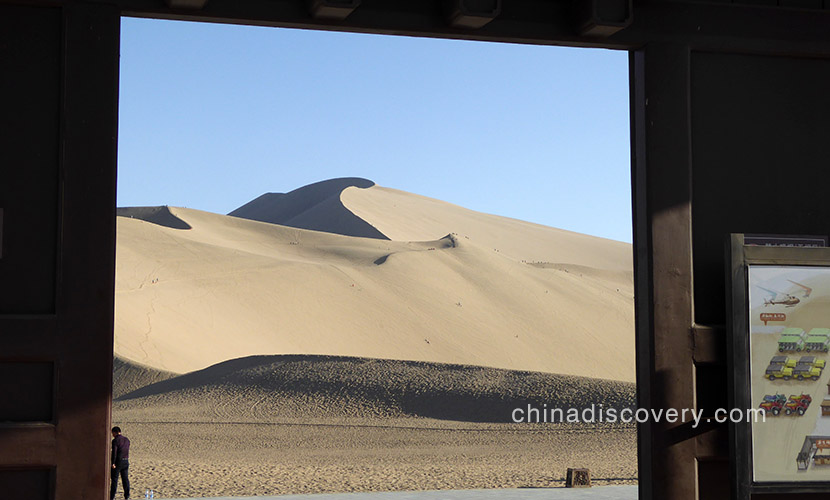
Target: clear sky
[[212, 116]]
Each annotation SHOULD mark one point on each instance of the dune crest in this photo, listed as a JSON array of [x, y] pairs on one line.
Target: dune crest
[[403, 216], [129, 376], [297, 386], [316, 207], [156, 215]]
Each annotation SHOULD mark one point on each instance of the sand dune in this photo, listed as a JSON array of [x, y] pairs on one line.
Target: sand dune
[[265, 388], [316, 206], [267, 425], [229, 287], [156, 215], [128, 376], [383, 350], [403, 216]]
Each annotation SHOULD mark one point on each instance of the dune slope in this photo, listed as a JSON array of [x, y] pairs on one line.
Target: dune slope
[[403, 216], [229, 287], [264, 388], [128, 376], [316, 206]]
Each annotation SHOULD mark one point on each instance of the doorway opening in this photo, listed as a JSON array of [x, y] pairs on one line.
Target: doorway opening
[[370, 263]]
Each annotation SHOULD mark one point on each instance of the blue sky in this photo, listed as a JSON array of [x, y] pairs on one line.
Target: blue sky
[[212, 116]]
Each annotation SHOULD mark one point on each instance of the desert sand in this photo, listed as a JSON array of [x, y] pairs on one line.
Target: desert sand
[[542, 300], [349, 337], [267, 425], [403, 216]]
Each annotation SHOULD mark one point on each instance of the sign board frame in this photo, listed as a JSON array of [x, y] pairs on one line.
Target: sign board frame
[[740, 259]]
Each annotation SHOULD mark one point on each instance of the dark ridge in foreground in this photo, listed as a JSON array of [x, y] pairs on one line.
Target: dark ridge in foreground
[[156, 215], [322, 386], [128, 376], [316, 207]]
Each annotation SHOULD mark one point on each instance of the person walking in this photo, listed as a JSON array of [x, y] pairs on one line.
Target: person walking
[[120, 462]]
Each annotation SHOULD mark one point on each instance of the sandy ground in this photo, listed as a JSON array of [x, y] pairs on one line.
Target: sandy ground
[[618, 492], [259, 459], [283, 425]]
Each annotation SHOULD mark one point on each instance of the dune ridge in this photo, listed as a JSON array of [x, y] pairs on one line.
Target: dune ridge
[[156, 215], [316, 207], [302, 386], [403, 216], [129, 376]]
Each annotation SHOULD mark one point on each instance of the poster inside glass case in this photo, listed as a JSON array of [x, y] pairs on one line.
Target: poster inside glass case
[[789, 340]]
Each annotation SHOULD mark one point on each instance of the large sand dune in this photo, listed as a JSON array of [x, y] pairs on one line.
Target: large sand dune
[[383, 350], [498, 293]]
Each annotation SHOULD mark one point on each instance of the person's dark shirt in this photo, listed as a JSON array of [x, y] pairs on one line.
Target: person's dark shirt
[[120, 449]]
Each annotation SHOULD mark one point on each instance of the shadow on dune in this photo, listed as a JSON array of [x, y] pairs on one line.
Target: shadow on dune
[[316, 207], [128, 376], [431, 390], [156, 215]]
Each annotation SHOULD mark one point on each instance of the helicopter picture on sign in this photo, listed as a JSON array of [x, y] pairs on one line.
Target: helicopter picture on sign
[[789, 339]]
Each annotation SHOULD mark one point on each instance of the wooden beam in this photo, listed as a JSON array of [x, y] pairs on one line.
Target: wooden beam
[[27, 445], [709, 344], [186, 4], [464, 15], [332, 9], [663, 266], [86, 284]]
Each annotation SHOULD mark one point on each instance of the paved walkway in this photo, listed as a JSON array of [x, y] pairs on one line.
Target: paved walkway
[[596, 493]]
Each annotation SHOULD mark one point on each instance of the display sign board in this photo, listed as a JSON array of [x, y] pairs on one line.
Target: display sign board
[[780, 327], [783, 240]]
